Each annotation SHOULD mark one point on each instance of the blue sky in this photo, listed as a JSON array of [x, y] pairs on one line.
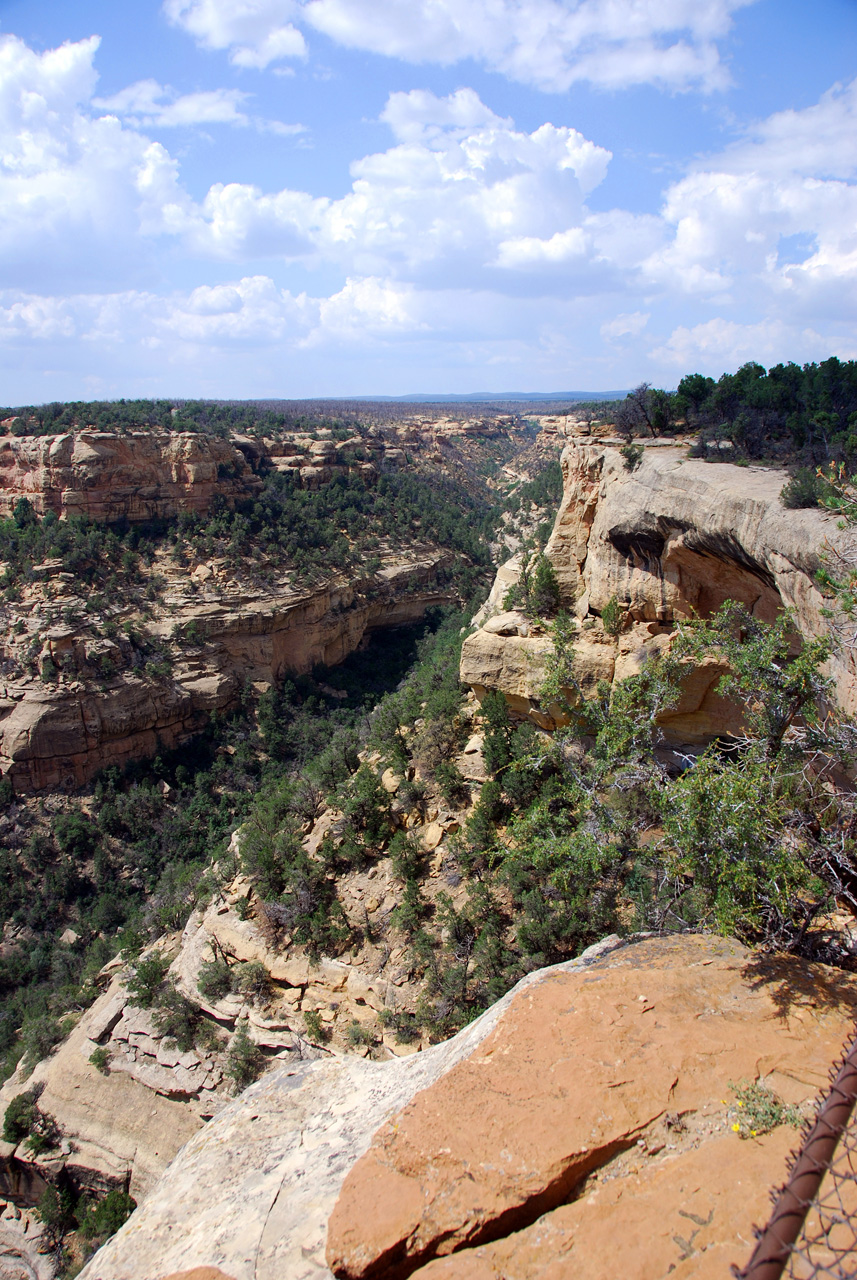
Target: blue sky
[[293, 198]]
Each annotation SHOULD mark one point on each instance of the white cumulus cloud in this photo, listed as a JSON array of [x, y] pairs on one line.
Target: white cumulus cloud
[[148, 103], [772, 219], [627, 324], [547, 43], [461, 196], [75, 189], [256, 32]]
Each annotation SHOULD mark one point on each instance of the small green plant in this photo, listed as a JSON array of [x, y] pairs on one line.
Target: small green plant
[[632, 455], [316, 1030], [101, 1219], [406, 1026], [244, 907], [758, 1110], [252, 979], [803, 490], [358, 1035], [100, 1059], [147, 981], [178, 1020], [214, 980], [56, 1210], [45, 1134], [41, 1036], [611, 617], [244, 1059], [20, 1115], [49, 669]]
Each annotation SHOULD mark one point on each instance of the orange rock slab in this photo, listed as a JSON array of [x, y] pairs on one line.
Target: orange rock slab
[[518, 1148]]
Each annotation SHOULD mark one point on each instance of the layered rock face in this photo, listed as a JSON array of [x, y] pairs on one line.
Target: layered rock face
[[668, 540], [139, 476], [583, 1125], [61, 736]]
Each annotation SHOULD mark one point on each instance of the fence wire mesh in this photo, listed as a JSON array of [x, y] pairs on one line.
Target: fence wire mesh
[[827, 1245], [812, 1231]]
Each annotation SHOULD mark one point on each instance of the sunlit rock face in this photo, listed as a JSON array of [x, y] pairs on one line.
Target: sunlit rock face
[[581, 1126], [672, 539], [137, 477], [61, 736]]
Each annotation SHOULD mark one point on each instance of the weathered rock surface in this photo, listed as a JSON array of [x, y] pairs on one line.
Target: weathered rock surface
[[147, 475], [26, 1252], [119, 1129], [583, 1124], [54, 735], [139, 476], [673, 538]]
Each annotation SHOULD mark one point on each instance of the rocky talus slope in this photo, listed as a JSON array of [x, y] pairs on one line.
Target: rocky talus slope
[[584, 1124], [122, 1124], [672, 538]]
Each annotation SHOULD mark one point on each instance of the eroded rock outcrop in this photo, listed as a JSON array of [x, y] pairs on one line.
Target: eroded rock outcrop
[[138, 476], [672, 538], [229, 634], [153, 475], [583, 1125], [26, 1248]]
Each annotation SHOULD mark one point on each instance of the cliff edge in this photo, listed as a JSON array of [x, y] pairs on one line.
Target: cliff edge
[[585, 1124], [668, 540]]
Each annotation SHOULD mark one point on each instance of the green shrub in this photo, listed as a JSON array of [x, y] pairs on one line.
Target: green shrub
[[536, 592], [57, 1209], [544, 594], [177, 1019], [758, 1110], [612, 617], [100, 1059], [40, 1037], [802, 490], [412, 910], [252, 979], [632, 455], [316, 1030], [103, 1218], [146, 983], [20, 1116], [496, 746], [214, 980], [406, 1026], [452, 785], [357, 1035], [244, 1060], [45, 1134]]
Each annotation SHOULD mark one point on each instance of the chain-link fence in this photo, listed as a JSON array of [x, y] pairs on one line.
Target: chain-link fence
[[812, 1231]]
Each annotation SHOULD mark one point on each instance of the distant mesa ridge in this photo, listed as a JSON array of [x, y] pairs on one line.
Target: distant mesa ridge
[[485, 397]]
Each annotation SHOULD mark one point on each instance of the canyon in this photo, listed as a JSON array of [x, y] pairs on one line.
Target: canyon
[[219, 626], [284, 1179]]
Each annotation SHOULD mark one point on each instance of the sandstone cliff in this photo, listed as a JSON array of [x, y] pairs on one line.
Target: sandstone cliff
[[670, 539], [59, 733], [583, 1125], [140, 476]]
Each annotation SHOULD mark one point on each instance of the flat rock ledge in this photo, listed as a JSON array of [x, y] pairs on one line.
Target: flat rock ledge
[[582, 1126]]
